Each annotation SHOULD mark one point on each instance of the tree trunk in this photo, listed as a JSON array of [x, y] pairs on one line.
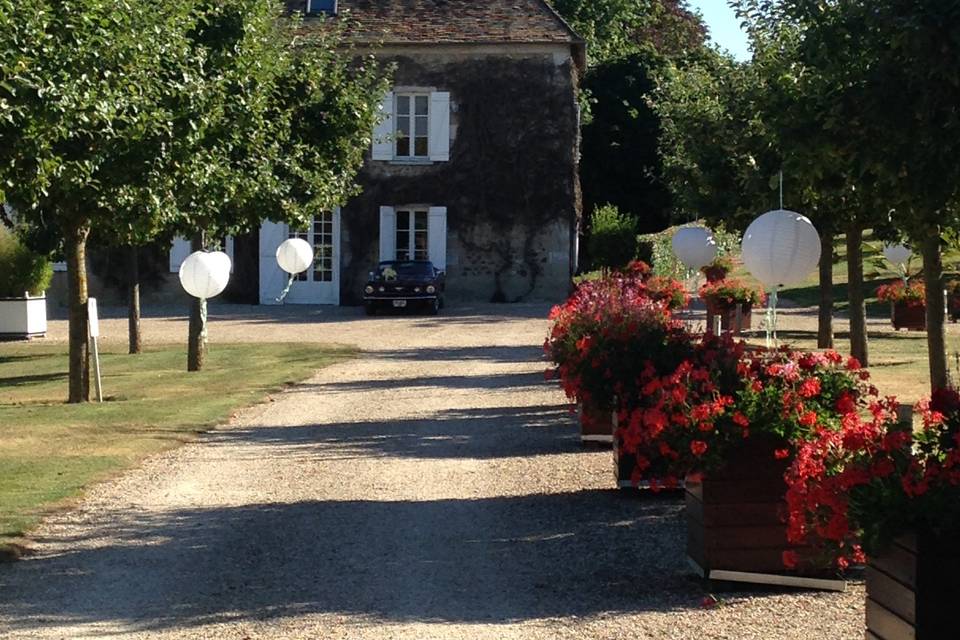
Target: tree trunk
[[858, 308], [825, 320], [76, 250], [133, 299], [936, 328], [197, 340]]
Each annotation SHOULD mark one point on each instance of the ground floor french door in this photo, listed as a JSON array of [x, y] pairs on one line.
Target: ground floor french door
[[320, 284]]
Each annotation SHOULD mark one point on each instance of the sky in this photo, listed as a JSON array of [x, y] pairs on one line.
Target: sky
[[724, 26]]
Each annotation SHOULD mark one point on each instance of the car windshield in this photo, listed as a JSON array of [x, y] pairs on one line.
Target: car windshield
[[394, 270]]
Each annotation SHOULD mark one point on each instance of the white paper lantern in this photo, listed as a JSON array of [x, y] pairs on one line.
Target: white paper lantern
[[780, 248], [295, 255], [223, 260], [695, 247], [897, 254], [204, 275]]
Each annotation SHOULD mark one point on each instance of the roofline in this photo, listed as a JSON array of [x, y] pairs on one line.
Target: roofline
[[575, 37]]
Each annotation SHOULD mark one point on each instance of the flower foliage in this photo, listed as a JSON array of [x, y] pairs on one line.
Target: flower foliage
[[609, 325], [729, 292], [912, 293], [874, 479]]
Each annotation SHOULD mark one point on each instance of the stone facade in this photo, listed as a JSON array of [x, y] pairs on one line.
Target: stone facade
[[510, 186]]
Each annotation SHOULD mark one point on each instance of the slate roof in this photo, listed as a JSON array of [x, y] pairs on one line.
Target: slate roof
[[453, 21]]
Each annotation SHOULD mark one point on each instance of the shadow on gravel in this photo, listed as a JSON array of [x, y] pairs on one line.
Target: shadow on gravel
[[511, 381], [488, 433], [516, 354], [460, 560]]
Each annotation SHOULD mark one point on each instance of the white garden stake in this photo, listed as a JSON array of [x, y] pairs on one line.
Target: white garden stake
[[294, 256], [780, 248], [695, 247]]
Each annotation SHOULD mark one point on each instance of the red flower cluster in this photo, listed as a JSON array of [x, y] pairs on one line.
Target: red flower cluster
[[608, 326], [912, 293], [676, 418], [873, 479], [730, 292]]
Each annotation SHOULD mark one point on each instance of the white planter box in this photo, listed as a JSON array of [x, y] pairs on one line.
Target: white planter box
[[23, 317]]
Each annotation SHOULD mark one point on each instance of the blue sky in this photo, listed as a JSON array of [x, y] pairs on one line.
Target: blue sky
[[724, 26]]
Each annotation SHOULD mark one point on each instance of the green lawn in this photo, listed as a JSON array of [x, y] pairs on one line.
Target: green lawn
[[50, 451], [876, 271]]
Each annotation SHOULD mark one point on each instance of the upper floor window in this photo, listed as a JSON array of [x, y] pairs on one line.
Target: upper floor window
[[414, 126], [328, 7], [412, 133]]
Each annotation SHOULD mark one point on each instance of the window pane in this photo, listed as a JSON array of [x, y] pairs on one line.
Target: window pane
[[403, 147], [403, 105], [420, 147], [420, 245], [420, 220], [421, 105], [403, 220], [403, 127], [421, 126]]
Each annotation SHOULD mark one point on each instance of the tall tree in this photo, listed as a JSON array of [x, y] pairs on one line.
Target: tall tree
[[628, 41], [280, 134], [81, 91], [893, 66], [191, 127]]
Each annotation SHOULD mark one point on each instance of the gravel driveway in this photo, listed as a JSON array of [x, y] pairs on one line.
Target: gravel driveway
[[432, 488]]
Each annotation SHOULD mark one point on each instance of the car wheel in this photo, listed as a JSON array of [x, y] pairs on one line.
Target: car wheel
[[370, 308]]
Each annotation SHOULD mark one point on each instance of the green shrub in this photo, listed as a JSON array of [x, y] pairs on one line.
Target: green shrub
[[613, 238], [21, 270]]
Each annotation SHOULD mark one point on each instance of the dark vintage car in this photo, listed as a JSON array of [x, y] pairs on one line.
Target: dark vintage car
[[399, 284]]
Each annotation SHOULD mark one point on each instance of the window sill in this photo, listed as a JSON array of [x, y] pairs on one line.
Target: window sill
[[416, 162]]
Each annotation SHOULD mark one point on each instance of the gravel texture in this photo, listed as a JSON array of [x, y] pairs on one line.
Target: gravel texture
[[434, 487]]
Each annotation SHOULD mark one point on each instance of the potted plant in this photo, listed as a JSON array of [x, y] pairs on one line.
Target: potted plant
[[732, 300], [718, 270], [735, 509], [896, 490], [907, 304], [24, 277], [600, 336]]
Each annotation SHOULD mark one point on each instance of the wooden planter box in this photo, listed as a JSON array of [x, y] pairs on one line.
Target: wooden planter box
[[913, 589], [735, 520], [728, 317], [22, 318], [909, 317], [595, 425], [953, 306]]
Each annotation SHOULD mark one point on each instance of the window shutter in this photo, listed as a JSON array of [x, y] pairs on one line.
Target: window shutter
[[178, 253], [388, 233], [439, 141], [437, 237], [272, 277], [228, 245], [383, 133]]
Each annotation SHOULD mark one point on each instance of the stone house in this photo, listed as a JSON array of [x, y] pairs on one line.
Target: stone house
[[474, 167]]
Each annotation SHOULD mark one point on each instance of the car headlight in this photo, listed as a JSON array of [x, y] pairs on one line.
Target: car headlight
[[369, 289], [431, 289]]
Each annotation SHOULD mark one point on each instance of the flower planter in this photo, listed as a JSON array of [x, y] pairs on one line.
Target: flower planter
[[907, 316], [595, 425], [953, 306], [728, 317], [735, 520], [912, 589], [22, 318]]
